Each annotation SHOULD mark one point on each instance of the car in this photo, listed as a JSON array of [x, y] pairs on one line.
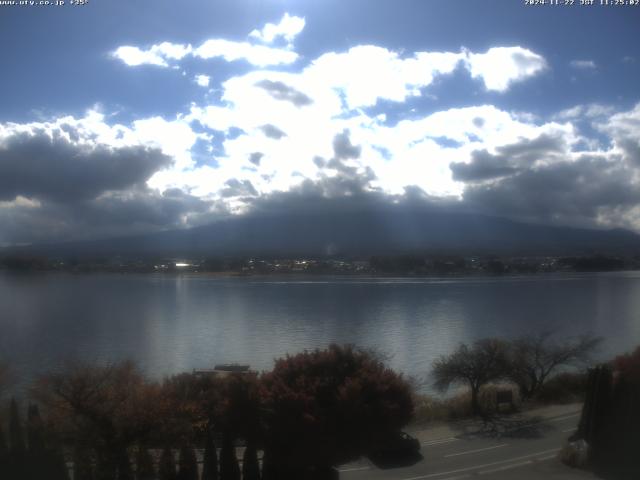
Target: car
[[399, 443]]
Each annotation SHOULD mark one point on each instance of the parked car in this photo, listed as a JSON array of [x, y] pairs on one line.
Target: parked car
[[399, 443]]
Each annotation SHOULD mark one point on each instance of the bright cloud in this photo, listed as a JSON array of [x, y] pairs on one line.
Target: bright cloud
[[258, 55], [156, 55], [202, 80], [288, 28], [500, 67]]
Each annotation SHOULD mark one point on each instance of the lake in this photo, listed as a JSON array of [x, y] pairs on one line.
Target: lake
[[174, 323]]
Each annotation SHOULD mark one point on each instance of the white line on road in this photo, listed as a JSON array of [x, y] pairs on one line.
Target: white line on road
[[569, 430], [548, 457], [559, 419], [506, 467], [475, 451], [440, 441], [354, 469], [475, 467]]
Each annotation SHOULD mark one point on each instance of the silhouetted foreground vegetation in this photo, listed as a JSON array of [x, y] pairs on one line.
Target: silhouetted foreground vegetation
[[314, 410], [526, 362], [610, 422]]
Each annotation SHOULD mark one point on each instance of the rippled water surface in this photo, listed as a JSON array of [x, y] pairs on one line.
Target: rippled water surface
[[175, 323]]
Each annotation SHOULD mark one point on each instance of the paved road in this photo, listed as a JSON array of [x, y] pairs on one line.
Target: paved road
[[513, 447]]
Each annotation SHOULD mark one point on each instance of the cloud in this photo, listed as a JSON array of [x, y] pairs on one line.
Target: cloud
[[238, 188], [368, 73], [258, 55], [255, 158], [272, 131], [343, 148], [624, 130], [583, 64], [281, 91], [588, 111], [161, 54], [202, 80], [500, 67], [50, 165], [155, 55], [288, 28], [511, 159], [588, 191]]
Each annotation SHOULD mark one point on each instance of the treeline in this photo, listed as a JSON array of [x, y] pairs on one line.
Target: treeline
[[313, 411], [376, 265]]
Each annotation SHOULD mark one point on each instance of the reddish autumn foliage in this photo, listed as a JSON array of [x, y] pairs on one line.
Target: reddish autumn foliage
[[326, 407], [628, 366]]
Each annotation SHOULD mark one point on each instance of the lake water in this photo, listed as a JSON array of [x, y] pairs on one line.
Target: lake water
[[169, 324]]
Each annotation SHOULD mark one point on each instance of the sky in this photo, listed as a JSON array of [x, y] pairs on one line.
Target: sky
[[125, 117]]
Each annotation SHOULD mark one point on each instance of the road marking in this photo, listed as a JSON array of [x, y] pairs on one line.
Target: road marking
[[569, 430], [548, 457], [354, 469], [506, 467], [559, 419], [440, 441], [475, 451], [475, 467]]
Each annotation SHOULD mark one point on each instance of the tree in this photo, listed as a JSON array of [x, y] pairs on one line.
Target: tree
[[210, 461], [326, 407], [485, 361], [4, 455], [83, 464], [144, 465], [533, 358], [16, 438], [124, 466], [37, 451], [107, 409], [16, 463], [229, 468], [250, 465], [167, 465], [5, 378], [628, 365], [188, 464]]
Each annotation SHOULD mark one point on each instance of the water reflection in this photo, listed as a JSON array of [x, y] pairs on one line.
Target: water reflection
[[176, 323]]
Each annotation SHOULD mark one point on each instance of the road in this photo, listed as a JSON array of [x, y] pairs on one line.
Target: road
[[523, 447]]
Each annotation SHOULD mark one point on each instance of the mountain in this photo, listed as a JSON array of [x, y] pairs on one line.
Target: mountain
[[365, 233]]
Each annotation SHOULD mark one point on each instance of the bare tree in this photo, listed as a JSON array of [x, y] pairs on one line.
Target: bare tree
[[475, 366], [533, 358]]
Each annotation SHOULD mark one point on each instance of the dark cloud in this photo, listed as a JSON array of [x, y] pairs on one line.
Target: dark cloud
[[509, 159], [575, 192], [35, 165], [282, 91], [135, 211], [238, 188], [272, 131], [256, 157], [483, 166], [342, 147], [319, 162]]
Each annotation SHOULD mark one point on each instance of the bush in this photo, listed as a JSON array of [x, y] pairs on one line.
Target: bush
[[567, 387], [429, 409]]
